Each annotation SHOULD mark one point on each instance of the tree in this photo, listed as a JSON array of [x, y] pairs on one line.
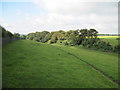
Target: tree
[[83, 33], [88, 33], [89, 42], [16, 35], [47, 37], [42, 35], [23, 36], [117, 48], [54, 37], [6, 33], [31, 36], [76, 41], [61, 35], [93, 33]]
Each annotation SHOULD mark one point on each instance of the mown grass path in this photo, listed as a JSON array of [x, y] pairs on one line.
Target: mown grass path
[[94, 67], [29, 64], [107, 62]]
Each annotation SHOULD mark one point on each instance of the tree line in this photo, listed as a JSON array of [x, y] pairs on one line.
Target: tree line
[[61, 35], [86, 38], [7, 36]]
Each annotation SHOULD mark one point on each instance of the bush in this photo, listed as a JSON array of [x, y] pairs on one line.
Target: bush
[[52, 41], [90, 42], [97, 44], [59, 41], [47, 38], [76, 41], [117, 38], [117, 49], [65, 42], [36, 39]]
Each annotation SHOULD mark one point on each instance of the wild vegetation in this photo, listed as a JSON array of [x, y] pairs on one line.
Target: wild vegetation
[[86, 38], [7, 36]]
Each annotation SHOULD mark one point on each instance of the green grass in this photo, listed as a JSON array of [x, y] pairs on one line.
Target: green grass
[[29, 64], [107, 62], [112, 41], [0, 66]]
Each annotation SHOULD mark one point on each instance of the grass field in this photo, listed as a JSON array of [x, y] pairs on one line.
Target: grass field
[[29, 64], [0, 66], [111, 39]]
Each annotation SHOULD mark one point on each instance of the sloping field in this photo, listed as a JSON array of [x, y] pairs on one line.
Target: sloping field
[[29, 64], [107, 62], [112, 41]]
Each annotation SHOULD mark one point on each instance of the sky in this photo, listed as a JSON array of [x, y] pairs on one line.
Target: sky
[[26, 16]]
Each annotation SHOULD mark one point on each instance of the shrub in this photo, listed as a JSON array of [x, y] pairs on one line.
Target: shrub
[[52, 41], [117, 38], [89, 42], [117, 48], [76, 41], [97, 44], [36, 39], [65, 42], [59, 41]]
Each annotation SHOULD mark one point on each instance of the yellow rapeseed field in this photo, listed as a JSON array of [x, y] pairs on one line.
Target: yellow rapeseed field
[[108, 36]]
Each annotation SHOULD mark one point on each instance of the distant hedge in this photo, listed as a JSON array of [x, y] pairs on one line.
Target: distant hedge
[[7, 36]]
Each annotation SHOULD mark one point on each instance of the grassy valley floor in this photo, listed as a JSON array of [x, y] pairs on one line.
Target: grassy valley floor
[[30, 64]]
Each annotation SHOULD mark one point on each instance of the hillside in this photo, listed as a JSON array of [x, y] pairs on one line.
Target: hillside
[[31, 64], [112, 41]]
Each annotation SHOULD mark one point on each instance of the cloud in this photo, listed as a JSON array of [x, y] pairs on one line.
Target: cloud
[[69, 14], [64, 13]]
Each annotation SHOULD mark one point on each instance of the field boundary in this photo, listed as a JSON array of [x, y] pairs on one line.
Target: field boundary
[[94, 67]]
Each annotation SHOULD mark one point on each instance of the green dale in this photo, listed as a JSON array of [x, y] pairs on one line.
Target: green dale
[[31, 64], [60, 59], [47, 44]]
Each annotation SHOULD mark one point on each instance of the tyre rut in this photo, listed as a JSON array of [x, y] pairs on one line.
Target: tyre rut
[[94, 67]]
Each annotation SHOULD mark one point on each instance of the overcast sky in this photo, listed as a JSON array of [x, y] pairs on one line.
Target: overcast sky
[[53, 15]]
